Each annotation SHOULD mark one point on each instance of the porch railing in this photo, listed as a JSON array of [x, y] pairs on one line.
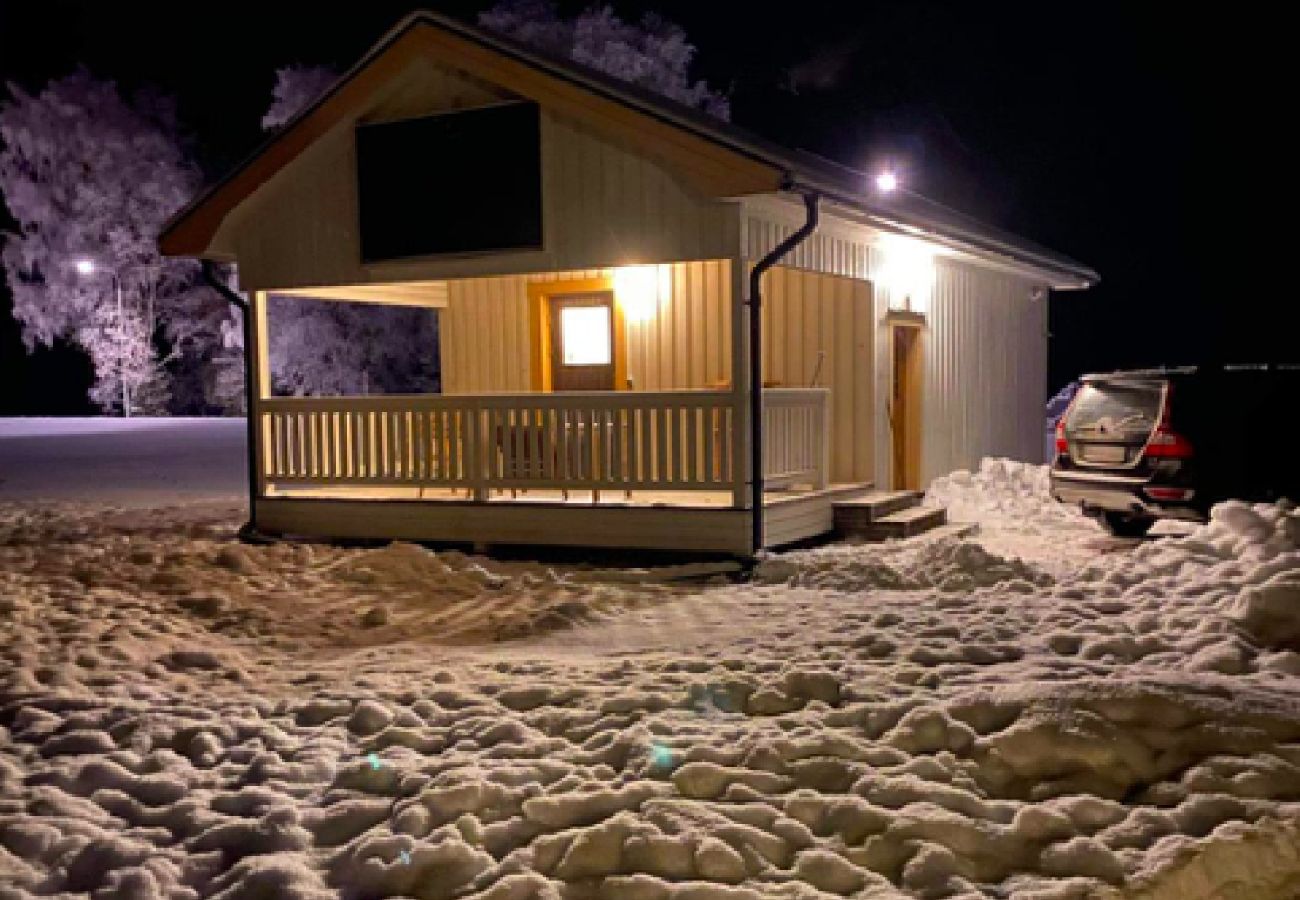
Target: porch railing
[[663, 441], [796, 439]]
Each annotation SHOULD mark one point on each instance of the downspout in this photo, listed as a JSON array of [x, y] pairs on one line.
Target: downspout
[[755, 303], [210, 276]]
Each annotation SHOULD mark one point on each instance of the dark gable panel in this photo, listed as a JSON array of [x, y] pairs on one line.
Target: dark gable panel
[[460, 182]]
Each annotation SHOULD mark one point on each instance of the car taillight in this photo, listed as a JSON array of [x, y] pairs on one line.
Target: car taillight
[[1164, 442], [1169, 493], [1062, 444], [1167, 444]]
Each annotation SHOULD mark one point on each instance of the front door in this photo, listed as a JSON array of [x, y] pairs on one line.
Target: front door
[[905, 405], [582, 342]]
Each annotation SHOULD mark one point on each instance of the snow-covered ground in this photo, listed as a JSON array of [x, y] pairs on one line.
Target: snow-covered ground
[[1036, 712]]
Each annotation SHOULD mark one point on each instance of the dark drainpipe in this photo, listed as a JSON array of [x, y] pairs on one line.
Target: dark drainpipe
[[214, 281], [755, 302]]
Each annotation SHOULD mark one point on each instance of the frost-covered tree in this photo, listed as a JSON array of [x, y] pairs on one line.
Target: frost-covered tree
[[332, 347], [128, 373], [655, 54], [91, 178], [295, 87]]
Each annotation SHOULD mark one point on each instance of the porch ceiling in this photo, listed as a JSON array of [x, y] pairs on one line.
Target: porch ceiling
[[432, 294]]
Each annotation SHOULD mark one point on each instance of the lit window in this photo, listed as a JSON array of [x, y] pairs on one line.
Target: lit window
[[586, 335]]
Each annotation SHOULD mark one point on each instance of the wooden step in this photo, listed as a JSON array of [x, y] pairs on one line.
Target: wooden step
[[903, 523], [870, 506]]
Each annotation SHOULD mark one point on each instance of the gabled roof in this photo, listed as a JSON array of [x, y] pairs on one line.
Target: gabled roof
[[743, 162]]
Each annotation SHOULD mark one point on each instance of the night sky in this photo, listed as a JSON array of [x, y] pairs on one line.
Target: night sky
[[1093, 129]]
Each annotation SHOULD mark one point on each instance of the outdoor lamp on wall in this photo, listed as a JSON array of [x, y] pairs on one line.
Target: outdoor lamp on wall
[[638, 290], [906, 273]]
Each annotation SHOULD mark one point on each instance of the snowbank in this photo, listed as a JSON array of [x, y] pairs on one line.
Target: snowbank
[[1004, 494]]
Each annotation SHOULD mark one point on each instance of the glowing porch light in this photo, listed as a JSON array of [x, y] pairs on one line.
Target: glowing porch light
[[906, 273], [638, 290], [887, 182], [85, 266]]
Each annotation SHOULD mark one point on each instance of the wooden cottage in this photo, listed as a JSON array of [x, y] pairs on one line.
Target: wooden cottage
[[589, 249]]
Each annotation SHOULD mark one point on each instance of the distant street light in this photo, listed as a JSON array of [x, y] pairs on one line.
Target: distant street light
[[85, 267], [886, 182]]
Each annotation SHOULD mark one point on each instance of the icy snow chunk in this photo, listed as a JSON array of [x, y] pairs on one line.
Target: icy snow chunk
[[281, 875], [667, 856], [929, 730], [342, 821], [368, 717], [567, 810], [1242, 520], [717, 861], [1083, 856], [78, 743], [1270, 612], [812, 684], [828, 871], [275, 832], [706, 780], [598, 851], [320, 710]]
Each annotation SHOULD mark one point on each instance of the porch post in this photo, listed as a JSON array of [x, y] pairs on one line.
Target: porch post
[[740, 434], [260, 367]]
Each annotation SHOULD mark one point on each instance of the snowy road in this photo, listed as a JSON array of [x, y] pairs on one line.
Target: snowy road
[[125, 461], [185, 716]]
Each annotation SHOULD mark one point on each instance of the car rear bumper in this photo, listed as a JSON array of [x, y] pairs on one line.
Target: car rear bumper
[[1097, 491]]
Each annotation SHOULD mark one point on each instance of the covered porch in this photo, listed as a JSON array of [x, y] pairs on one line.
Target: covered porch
[[624, 466]]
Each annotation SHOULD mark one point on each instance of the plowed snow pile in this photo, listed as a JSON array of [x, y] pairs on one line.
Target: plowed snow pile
[[182, 716]]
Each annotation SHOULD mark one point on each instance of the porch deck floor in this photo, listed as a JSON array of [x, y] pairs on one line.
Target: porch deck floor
[[614, 498]]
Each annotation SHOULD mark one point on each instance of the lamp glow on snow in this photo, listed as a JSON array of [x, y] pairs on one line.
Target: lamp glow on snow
[[887, 181], [639, 289], [906, 273]]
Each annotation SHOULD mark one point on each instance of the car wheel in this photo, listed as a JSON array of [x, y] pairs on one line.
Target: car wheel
[[1126, 525]]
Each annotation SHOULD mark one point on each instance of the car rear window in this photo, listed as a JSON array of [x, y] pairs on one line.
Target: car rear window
[[1122, 410]]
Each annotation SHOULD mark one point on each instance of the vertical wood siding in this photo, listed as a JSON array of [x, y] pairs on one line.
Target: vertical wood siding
[[986, 369], [607, 202], [828, 250], [687, 344], [806, 314]]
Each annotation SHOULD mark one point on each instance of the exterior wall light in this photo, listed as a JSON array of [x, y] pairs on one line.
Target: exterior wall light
[[639, 290], [906, 272]]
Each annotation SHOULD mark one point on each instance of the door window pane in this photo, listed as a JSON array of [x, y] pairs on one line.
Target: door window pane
[[585, 336]]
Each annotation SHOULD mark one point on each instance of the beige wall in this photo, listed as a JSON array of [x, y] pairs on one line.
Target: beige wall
[[806, 314], [986, 369], [485, 331], [605, 203]]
